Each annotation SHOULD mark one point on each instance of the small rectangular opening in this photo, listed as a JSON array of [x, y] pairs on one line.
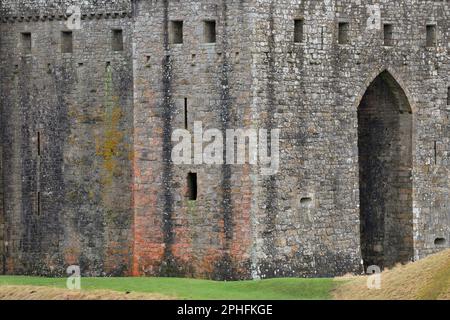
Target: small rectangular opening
[[298, 30], [66, 42], [209, 31], [431, 35], [388, 35], [186, 124], [343, 37], [26, 42], [306, 203], [192, 186], [237, 58], [117, 40], [176, 32]]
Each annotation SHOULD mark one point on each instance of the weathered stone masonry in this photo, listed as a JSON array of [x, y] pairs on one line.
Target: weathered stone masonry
[[72, 203], [360, 93]]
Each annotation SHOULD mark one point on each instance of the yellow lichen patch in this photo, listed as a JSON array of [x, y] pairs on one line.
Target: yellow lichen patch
[[112, 149], [110, 145], [91, 194]]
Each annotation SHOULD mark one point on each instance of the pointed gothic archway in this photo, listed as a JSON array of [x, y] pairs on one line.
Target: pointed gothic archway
[[385, 173]]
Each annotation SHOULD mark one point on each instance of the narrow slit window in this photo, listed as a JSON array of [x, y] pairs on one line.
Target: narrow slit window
[[66, 42], [322, 32], [26, 42], [343, 36], [448, 96], [38, 142], [192, 186], [298, 30], [431, 35], [435, 152], [186, 120], [209, 31], [117, 40], [388, 35], [38, 203], [176, 32]]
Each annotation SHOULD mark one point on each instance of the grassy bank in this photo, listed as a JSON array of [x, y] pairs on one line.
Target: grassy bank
[[427, 279], [273, 289]]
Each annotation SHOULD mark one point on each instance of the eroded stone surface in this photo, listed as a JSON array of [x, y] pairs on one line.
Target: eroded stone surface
[[111, 200]]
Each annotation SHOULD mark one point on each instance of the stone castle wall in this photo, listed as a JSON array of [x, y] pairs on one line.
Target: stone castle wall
[[69, 199], [48, 8], [313, 90], [210, 237], [112, 201]]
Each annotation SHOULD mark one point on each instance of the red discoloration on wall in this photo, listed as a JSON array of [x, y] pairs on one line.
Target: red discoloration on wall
[[148, 245], [241, 241], [199, 259], [205, 267], [148, 236]]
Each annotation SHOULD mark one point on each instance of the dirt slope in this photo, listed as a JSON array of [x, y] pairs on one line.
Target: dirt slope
[[427, 279], [48, 293]]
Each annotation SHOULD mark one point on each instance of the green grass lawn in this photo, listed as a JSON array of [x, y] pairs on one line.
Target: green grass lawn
[[274, 289]]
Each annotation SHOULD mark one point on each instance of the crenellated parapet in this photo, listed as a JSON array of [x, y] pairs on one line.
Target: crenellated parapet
[[39, 10]]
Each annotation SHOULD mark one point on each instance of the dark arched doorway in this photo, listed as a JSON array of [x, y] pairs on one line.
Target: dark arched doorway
[[385, 168]]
